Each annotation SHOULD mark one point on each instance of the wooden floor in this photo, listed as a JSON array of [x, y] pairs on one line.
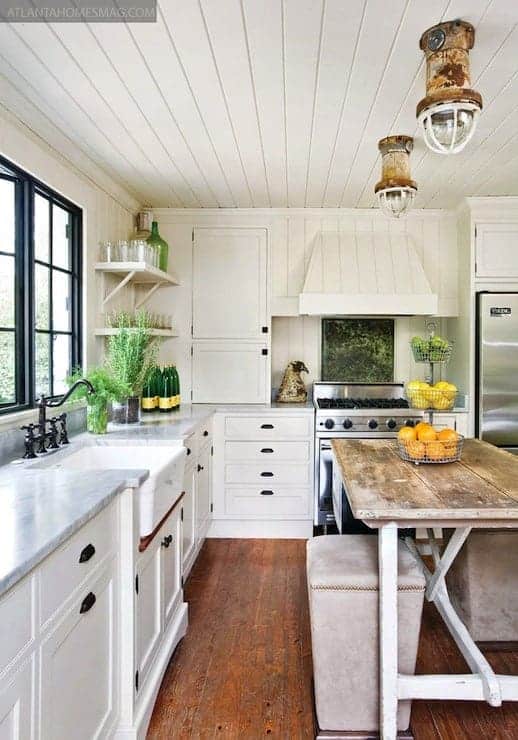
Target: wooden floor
[[244, 669]]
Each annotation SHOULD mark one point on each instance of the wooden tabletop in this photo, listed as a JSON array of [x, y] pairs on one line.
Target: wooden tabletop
[[480, 490]]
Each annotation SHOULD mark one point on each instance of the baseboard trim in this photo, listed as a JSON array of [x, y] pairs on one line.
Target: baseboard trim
[[358, 735], [261, 529]]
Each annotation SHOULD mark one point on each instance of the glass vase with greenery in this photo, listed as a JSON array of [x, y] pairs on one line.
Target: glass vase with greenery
[[131, 355], [107, 388]]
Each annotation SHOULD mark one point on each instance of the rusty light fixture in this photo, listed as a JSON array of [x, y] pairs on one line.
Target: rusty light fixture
[[396, 190], [450, 110]]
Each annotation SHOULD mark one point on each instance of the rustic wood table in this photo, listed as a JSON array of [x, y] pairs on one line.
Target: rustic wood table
[[389, 494]]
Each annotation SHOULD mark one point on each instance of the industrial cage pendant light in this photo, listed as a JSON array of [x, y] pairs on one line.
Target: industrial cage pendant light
[[450, 110], [396, 190]]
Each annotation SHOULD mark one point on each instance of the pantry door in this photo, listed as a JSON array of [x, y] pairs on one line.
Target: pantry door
[[230, 283]]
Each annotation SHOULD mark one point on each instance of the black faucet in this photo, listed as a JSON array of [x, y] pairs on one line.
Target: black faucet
[[56, 437]]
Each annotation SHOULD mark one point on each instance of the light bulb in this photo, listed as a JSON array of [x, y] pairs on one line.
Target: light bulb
[[396, 202], [448, 127]]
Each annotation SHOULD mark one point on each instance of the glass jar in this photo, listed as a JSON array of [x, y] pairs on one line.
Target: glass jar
[[97, 417]]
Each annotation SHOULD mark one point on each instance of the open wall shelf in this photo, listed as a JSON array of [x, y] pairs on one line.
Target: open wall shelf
[[135, 273]]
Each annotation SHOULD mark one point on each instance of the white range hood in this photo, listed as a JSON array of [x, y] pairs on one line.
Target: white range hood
[[366, 273]]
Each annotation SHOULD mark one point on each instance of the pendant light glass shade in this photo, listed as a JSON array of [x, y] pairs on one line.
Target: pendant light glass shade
[[448, 127], [395, 202]]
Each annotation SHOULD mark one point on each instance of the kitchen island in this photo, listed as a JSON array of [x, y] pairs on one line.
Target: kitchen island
[[480, 491]]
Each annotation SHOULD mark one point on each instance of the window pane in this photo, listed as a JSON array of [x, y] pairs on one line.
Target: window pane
[[60, 237], [41, 228], [7, 237], [42, 296], [61, 363], [61, 301], [6, 291], [7, 355], [42, 360]]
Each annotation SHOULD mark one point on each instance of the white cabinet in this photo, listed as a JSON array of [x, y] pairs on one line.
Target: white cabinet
[[189, 518], [229, 283], [496, 250], [148, 607], [16, 705], [171, 544], [230, 372], [459, 422], [203, 492], [78, 663]]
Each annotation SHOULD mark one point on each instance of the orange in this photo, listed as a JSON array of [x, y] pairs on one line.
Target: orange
[[406, 434], [435, 451], [421, 425], [427, 434], [416, 450]]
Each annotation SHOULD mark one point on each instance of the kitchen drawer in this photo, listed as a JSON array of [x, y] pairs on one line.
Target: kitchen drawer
[[63, 571], [16, 620], [267, 427], [267, 503], [268, 451], [268, 473]]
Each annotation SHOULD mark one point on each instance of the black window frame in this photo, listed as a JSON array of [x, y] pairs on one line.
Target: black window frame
[[26, 188]]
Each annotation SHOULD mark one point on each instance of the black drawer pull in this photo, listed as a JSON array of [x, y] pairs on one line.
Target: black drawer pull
[[205, 433], [200, 468], [267, 450], [87, 553], [266, 493], [167, 540], [188, 450], [87, 603], [266, 426], [266, 475]]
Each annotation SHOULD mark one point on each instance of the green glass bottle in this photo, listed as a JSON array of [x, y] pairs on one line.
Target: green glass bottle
[[148, 393], [162, 247], [164, 401], [176, 388]]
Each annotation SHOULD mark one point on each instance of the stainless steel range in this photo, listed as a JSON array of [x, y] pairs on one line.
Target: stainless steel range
[[354, 411]]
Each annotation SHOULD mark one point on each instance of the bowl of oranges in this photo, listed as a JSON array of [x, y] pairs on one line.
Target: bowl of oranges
[[424, 444]]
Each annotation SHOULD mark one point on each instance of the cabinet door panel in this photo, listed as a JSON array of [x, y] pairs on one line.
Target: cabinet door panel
[[189, 521], [203, 492], [148, 607], [171, 537], [16, 706], [229, 372], [229, 283], [77, 667], [497, 250]]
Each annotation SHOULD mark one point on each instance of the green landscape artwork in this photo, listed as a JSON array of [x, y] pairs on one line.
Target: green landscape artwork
[[358, 350]]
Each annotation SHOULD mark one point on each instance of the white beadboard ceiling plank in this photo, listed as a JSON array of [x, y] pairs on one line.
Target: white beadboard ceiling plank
[[152, 117], [381, 26], [264, 28], [60, 105], [386, 106], [341, 27], [303, 33], [227, 30], [187, 28], [156, 45]]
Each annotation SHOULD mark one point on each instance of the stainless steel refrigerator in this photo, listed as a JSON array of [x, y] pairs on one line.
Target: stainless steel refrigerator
[[497, 369]]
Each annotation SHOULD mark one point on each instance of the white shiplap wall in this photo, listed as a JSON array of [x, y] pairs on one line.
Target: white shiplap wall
[[107, 210], [290, 233]]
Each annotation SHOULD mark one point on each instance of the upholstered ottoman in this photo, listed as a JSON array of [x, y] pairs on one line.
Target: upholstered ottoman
[[343, 598], [483, 585]]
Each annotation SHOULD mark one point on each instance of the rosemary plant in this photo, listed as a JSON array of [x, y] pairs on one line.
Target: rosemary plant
[[132, 352]]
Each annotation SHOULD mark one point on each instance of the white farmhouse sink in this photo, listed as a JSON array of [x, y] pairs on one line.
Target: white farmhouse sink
[[155, 496]]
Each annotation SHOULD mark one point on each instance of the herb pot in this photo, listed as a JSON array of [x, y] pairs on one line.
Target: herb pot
[[133, 416]]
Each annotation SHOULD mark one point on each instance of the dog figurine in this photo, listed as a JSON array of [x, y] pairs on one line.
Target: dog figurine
[[292, 388]]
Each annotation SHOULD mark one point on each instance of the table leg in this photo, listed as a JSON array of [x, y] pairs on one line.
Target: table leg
[[388, 629]]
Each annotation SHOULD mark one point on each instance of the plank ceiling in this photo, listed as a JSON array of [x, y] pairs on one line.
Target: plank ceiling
[[258, 103]]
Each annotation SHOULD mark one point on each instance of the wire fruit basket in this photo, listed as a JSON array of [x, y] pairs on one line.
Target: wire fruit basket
[[434, 399], [431, 350], [436, 451]]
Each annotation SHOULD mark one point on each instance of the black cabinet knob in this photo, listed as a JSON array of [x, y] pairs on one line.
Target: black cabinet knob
[[200, 468], [205, 433], [87, 553], [188, 451], [87, 603], [167, 540]]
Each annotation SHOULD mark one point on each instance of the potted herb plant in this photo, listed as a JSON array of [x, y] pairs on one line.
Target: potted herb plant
[[107, 388], [131, 355]]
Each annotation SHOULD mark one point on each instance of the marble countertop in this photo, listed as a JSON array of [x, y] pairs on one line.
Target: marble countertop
[[40, 509]]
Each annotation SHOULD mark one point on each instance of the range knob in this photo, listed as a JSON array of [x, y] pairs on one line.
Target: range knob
[[329, 423], [392, 423], [347, 424], [373, 424], [409, 423]]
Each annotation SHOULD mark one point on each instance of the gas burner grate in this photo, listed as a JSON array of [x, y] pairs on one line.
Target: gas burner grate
[[362, 403]]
